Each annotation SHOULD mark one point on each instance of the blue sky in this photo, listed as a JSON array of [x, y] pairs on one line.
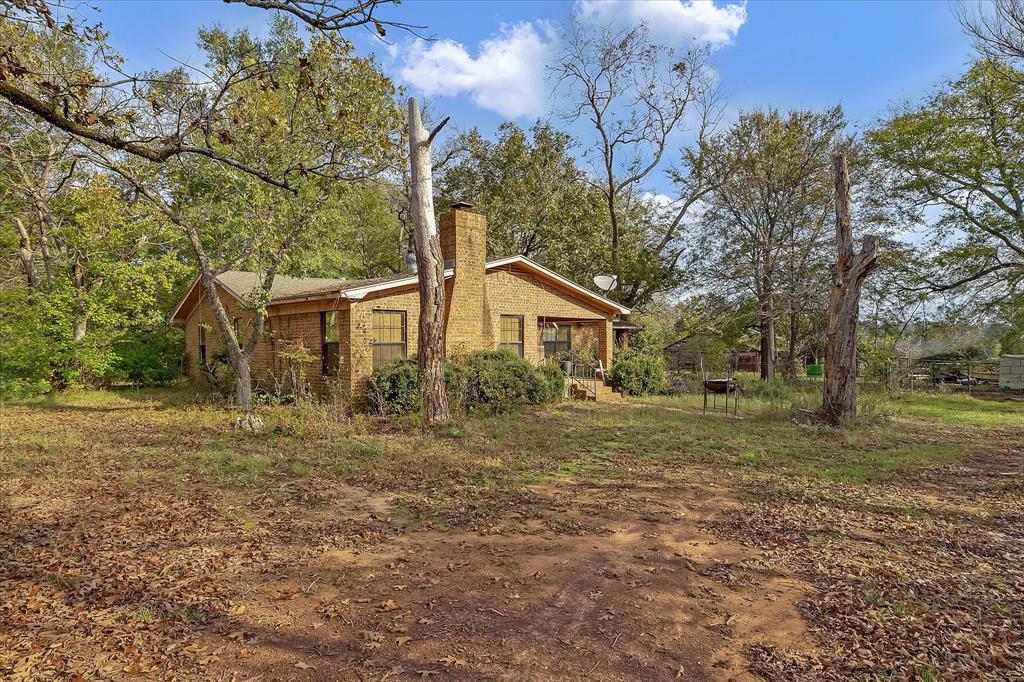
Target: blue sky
[[486, 65]]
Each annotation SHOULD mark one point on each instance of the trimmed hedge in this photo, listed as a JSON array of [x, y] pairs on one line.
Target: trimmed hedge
[[497, 381]]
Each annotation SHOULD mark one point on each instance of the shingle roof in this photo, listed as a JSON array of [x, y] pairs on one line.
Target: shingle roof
[[241, 283]]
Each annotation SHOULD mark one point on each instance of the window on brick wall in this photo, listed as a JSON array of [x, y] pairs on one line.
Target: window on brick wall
[[557, 340], [202, 344], [389, 336], [511, 334], [329, 343]]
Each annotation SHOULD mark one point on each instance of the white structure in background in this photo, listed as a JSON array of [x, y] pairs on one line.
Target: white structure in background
[[1011, 372]]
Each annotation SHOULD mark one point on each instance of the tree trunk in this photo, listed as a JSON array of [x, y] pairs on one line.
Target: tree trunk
[[243, 396], [81, 324], [792, 369], [27, 255], [839, 397], [613, 216], [238, 358], [430, 266], [768, 337]]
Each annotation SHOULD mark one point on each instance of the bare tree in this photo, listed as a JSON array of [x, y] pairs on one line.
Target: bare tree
[[997, 27], [839, 396], [634, 94], [331, 15], [430, 265]]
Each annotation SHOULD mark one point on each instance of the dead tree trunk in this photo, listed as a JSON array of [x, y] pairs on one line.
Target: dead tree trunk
[[27, 255], [430, 266], [839, 397]]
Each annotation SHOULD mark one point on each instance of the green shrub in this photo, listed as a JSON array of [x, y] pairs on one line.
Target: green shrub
[[392, 388], [771, 390], [639, 374], [500, 380], [554, 377], [497, 381], [26, 351], [150, 357]]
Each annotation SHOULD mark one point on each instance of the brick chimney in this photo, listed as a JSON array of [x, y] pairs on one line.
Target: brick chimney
[[464, 247]]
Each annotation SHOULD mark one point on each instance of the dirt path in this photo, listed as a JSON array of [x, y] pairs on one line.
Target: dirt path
[[628, 587]]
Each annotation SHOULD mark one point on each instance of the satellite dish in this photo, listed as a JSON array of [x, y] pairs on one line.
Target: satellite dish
[[604, 282]]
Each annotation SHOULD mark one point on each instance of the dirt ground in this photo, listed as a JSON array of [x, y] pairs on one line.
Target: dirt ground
[[627, 587], [601, 582], [653, 570]]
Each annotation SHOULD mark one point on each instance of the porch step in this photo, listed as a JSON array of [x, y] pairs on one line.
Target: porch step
[[605, 393]]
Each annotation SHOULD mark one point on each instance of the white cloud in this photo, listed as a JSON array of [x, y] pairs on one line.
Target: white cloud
[[506, 76], [659, 199], [673, 22]]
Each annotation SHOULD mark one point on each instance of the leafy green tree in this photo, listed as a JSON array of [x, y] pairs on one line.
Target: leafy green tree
[[536, 198], [113, 268], [355, 234], [766, 229], [539, 203], [317, 118], [952, 165], [291, 114]]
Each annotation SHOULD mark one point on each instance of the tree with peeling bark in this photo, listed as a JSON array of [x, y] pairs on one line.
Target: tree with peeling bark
[[430, 266], [839, 395]]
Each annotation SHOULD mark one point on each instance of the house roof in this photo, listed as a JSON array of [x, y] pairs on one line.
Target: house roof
[[239, 283]]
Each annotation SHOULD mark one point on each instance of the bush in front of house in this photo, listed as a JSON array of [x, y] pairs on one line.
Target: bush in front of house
[[639, 374], [552, 374], [501, 381], [497, 381], [392, 388]]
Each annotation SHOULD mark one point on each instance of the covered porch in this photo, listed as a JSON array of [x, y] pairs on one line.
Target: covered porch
[[561, 337], [584, 347]]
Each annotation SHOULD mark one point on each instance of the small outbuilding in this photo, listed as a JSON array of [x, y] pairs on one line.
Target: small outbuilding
[[1011, 372]]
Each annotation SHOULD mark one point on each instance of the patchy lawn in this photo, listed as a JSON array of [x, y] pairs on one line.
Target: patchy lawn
[[141, 538]]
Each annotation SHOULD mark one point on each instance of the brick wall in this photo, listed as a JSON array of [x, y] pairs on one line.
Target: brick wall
[[360, 349], [269, 370], [512, 292], [464, 241]]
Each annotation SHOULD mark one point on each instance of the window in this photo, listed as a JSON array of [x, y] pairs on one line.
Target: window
[[557, 340], [237, 324], [511, 336], [329, 343], [389, 339], [202, 344]]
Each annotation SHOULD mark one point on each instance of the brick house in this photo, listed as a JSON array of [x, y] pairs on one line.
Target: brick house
[[350, 326]]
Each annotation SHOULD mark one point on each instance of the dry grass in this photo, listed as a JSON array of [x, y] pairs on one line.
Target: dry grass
[[136, 525]]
